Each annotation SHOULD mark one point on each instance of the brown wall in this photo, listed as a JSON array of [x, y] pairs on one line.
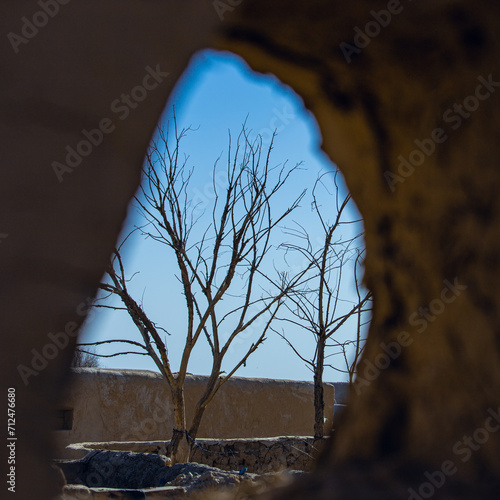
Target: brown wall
[[132, 405]]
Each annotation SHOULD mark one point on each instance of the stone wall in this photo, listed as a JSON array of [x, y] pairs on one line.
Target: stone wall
[[130, 405], [260, 456]]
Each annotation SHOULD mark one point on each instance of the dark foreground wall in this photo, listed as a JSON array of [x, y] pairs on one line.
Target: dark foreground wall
[[406, 97]]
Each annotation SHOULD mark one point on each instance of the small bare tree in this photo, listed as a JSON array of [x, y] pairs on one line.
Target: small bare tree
[[215, 260], [315, 305]]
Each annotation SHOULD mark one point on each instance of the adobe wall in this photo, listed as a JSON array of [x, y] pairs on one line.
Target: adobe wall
[[425, 227], [133, 405]]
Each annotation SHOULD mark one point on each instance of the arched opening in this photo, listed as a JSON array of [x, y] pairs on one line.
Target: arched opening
[[217, 93], [320, 329]]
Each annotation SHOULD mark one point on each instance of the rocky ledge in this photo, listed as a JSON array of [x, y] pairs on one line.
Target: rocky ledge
[[103, 474]]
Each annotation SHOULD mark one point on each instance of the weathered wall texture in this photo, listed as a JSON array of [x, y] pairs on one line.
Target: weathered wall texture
[[258, 455], [132, 405]]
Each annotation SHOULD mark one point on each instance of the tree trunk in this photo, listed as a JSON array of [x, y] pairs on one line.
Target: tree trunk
[[205, 398], [195, 424], [319, 399], [179, 443]]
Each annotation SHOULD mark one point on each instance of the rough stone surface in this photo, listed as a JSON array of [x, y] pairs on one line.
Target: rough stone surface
[[125, 475], [78, 492], [127, 470], [258, 455], [211, 484], [111, 469]]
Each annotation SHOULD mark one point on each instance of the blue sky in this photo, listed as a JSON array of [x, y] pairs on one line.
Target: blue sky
[[218, 92]]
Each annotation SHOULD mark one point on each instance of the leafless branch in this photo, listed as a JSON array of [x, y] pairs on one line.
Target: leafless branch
[[314, 305]]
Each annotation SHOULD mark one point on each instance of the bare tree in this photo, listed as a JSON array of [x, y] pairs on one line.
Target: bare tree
[[220, 259], [315, 306]]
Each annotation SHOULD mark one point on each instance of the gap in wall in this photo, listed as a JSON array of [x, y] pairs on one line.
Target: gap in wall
[[217, 93]]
